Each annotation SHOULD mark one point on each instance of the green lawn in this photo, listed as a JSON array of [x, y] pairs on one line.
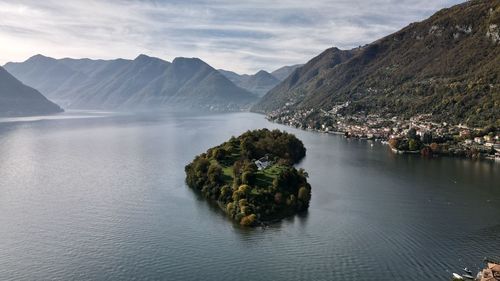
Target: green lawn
[[265, 177]]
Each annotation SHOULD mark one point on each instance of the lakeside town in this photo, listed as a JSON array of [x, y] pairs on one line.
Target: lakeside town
[[419, 134]]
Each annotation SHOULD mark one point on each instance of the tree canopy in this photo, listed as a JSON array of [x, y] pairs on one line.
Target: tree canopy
[[227, 174]]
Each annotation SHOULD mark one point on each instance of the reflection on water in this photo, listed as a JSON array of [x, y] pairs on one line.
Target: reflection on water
[[105, 198], [72, 114]]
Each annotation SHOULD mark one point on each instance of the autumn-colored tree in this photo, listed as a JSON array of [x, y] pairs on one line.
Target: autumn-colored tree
[[304, 195], [214, 173], [248, 220], [230, 208], [426, 151], [291, 200], [244, 188], [435, 147], [247, 177], [394, 143]]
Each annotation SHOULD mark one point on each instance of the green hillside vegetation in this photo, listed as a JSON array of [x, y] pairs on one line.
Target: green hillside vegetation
[[227, 174], [447, 66]]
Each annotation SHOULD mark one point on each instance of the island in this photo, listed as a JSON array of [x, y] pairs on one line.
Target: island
[[252, 177]]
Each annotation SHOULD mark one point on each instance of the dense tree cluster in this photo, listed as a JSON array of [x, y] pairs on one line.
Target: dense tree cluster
[[412, 142], [258, 143], [228, 175]]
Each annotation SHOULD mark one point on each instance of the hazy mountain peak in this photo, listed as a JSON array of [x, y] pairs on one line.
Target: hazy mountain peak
[[142, 57], [259, 83], [17, 99], [145, 59], [40, 57], [262, 73], [283, 72], [186, 60], [140, 83], [188, 66]]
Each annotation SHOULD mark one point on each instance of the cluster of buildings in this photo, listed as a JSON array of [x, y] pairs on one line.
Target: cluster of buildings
[[491, 272], [458, 140]]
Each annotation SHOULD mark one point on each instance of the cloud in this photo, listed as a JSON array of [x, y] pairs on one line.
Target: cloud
[[243, 36]]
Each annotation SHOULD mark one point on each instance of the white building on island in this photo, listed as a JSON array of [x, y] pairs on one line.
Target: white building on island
[[263, 163]]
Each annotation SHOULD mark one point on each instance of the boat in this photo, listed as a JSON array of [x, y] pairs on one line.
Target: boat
[[457, 276], [466, 270], [468, 276]]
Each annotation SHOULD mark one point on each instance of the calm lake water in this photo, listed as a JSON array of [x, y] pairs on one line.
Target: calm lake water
[[104, 198]]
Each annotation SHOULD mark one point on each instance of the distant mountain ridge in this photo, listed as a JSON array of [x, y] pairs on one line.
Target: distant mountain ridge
[[17, 99], [142, 83], [447, 66], [259, 83], [283, 72]]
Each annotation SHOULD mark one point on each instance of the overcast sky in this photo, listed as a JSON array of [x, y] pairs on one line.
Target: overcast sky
[[243, 36]]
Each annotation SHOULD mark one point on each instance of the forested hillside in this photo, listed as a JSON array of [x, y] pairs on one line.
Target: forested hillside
[[447, 66]]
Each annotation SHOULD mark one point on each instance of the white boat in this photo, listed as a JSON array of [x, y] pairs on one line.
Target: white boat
[[468, 276], [457, 276]]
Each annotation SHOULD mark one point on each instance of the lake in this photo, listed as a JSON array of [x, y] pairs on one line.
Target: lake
[[104, 198]]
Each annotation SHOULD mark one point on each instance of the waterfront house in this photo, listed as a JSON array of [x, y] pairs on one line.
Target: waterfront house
[[497, 147], [489, 144], [491, 272], [465, 133]]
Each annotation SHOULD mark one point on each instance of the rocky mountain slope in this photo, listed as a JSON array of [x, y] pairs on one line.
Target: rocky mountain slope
[[17, 99], [447, 66]]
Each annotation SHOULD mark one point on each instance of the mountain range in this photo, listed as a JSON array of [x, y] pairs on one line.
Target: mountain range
[[17, 99], [447, 66], [261, 82], [143, 83]]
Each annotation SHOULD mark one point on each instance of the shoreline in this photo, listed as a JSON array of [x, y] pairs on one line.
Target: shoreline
[[385, 142]]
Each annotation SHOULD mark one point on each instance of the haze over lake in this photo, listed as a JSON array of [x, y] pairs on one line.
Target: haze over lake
[[105, 199]]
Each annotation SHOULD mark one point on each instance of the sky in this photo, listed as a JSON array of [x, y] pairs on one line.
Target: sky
[[242, 36]]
